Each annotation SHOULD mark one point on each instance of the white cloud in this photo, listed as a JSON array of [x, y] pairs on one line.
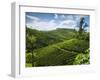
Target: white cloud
[[40, 24], [87, 29], [43, 25], [70, 23], [32, 17], [55, 16], [63, 17], [77, 18], [69, 17]]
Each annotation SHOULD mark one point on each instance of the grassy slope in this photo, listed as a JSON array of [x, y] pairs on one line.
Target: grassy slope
[[62, 34], [60, 49], [60, 53], [45, 38]]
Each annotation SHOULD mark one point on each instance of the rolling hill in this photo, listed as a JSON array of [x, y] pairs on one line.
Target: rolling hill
[[56, 47]]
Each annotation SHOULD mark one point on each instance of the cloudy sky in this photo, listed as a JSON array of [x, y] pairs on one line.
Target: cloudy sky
[[51, 21]]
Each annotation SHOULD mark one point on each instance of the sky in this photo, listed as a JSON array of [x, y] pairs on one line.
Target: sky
[[51, 21]]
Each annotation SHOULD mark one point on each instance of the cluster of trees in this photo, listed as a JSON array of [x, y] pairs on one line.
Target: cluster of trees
[[57, 47]]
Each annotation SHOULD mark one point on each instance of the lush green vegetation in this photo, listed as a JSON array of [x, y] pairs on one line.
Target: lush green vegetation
[[56, 47], [61, 46]]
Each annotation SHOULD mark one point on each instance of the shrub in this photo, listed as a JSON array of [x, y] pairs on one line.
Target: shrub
[[82, 58], [28, 58]]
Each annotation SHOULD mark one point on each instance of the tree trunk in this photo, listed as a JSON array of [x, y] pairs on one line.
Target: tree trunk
[[81, 24]]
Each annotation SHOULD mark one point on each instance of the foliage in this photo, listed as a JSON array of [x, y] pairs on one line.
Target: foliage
[[28, 58], [28, 65], [82, 25], [62, 53], [30, 40], [56, 47], [45, 38], [82, 58], [82, 36]]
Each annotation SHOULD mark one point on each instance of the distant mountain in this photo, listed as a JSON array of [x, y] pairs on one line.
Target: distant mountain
[[45, 38], [62, 33]]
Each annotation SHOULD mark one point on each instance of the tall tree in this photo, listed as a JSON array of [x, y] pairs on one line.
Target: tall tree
[[31, 40], [82, 25]]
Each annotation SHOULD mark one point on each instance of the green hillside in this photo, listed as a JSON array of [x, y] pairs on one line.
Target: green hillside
[[45, 38], [56, 47], [58, 54]]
